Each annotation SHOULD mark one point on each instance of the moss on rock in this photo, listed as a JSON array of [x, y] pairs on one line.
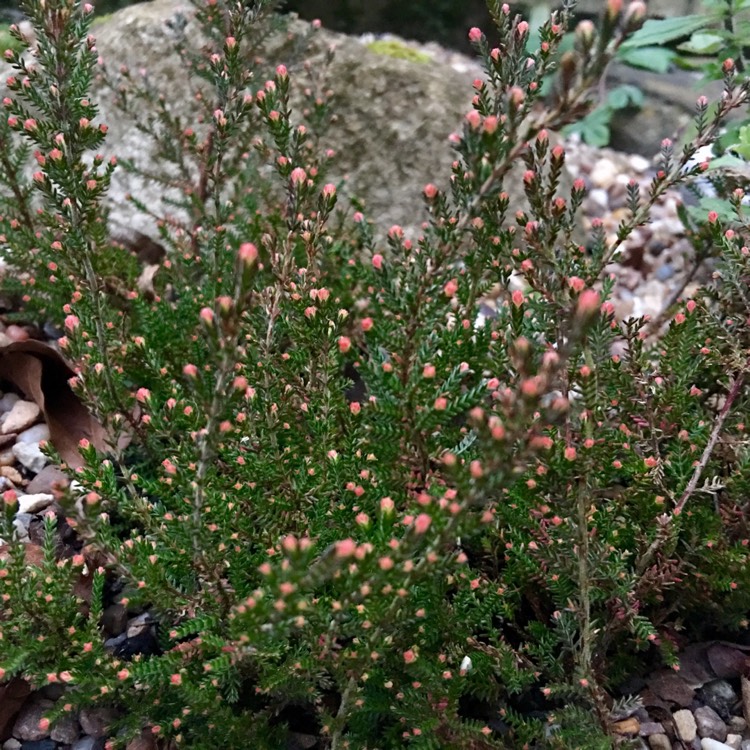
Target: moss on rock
[[393, 48]]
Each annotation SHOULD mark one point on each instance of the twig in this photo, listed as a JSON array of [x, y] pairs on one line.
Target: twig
[[734, 391]]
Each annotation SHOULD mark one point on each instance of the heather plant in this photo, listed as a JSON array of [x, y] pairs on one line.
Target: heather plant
[[354, 507]]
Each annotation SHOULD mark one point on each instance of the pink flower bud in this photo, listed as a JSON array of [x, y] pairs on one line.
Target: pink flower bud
[[576, 283], [207, 315], [248, 253], [345, 548], [613, 8], [450, 288], [345, 344], [635, 13], [430, 191], [298, 176], [422, 523], [490, 124], [516, 95], [588, 303], [585, 31], [377, 261], [475, 35], [474, 119]]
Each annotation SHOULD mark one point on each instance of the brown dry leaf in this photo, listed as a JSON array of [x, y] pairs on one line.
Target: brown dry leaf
[[42, 374], [145, 283], [34, 553], [13, 694]]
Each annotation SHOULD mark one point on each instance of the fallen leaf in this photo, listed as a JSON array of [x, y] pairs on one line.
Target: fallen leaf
[[145, 283], [42, 374], [34, 553], [13, 694], [82, 587]]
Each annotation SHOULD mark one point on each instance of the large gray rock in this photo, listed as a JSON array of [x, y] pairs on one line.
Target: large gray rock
[[394, 116]]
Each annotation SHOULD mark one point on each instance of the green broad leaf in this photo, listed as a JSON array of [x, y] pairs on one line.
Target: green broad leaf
[[656, 59], [722, 207], [727, 161], [660, 31], [742, 146], [594, 128], [625, 96], [539, 14], [703, 43]]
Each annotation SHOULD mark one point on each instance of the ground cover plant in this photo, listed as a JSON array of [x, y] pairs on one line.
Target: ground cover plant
[[353, 508]]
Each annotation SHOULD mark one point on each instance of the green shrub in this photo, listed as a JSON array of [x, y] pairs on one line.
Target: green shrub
[[343, 499]]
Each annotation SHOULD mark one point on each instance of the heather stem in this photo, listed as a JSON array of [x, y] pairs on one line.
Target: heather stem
[[734, 391]]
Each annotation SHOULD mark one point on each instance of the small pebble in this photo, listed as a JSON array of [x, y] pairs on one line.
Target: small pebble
[[34, 503], [16, 333], [7, 401], [684, 724], [22, 415], [604, 173], [708, 744], [659, 742], [88, 743], [10, 472], [7, 458], [30, 456], [34, 434], [710, 724]]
